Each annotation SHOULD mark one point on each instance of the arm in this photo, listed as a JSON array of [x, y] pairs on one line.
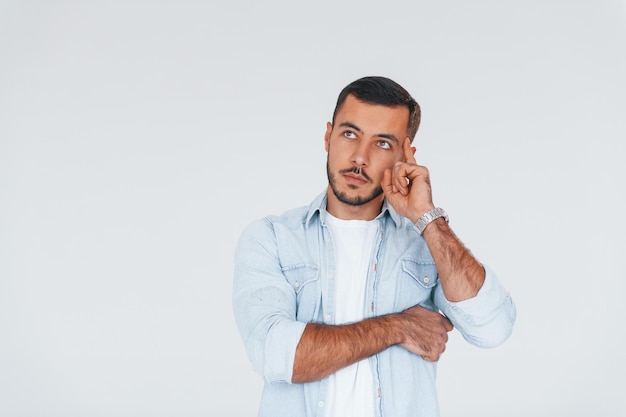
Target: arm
[[264, 304], [470, 294], [324, 349], [461, 275]]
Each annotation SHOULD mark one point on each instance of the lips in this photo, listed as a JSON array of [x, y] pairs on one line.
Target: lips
[[355, 179]]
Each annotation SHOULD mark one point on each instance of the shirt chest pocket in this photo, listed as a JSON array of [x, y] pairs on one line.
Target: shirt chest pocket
[[417, 282], [304, 279]]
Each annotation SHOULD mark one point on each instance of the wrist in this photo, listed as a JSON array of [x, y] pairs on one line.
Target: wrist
[[415, 215], [428, 217], [391, 328]]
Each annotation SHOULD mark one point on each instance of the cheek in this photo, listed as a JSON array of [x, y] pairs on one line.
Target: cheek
[[334, 163], [389, 161], [331, 156], [377, 172], [338, 152]]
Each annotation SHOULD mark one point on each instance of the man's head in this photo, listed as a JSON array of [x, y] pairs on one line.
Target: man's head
[[373, 120], [383, 91]]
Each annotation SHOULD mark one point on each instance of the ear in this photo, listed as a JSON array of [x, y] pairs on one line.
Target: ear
[[413, 148], [329, 130]]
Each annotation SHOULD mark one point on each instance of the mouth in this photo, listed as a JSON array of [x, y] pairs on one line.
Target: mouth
[[356, 173], [355, 179]]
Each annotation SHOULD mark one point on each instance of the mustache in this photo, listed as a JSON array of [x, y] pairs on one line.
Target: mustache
[[356, 170]]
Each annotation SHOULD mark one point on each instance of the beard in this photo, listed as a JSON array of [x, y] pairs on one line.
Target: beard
[[343, 196]]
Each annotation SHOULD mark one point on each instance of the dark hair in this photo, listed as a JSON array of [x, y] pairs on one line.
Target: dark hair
[[383, 91]]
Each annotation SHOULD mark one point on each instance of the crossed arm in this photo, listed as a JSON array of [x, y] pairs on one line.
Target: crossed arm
[[325, 349]]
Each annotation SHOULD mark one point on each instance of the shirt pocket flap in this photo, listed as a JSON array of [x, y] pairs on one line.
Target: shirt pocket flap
[[300, 275], [424, 273]]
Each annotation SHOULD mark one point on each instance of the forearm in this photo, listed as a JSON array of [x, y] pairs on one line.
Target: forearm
[[325, 349], [461, 275]]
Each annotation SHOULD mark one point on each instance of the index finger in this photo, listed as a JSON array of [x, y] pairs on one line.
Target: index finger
[[409, 158]]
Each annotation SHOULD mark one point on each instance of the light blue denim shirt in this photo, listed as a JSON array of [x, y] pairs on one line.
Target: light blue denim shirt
[[284, 279]]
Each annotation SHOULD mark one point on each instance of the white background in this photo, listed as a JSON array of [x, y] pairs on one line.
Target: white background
[[138, 138]]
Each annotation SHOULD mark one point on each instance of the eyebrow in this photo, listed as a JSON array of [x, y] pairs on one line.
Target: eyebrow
[[388, 136]]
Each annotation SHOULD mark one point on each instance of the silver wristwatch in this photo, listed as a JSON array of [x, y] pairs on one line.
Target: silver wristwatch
[[428, 217]]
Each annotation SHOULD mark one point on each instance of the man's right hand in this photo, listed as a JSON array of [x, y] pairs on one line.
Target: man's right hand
[[425, 332]]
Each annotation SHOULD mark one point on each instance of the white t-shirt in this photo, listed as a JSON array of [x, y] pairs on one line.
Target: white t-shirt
[[350, 390]]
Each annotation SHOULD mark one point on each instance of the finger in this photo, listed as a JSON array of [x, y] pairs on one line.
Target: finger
[[409, 156], [387, 185], [404, 174], [412, 172], [400, 180], [448, 325]]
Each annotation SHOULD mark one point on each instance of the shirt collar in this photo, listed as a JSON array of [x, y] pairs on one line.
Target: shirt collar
[[318, 207]]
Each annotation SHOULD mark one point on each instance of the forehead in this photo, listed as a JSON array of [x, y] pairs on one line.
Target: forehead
[[374, 118]]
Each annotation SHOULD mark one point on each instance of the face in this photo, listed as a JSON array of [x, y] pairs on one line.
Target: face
[[365, 140]]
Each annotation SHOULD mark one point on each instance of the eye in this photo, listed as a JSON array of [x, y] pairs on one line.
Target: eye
[[349, 134], [384, 144]]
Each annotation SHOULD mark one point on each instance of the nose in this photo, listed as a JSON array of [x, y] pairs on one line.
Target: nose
[[360, 157]]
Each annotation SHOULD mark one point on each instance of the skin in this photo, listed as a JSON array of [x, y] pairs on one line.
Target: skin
[[375, 139]]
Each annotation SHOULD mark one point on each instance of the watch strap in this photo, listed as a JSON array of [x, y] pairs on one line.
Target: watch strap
[[428, 217]]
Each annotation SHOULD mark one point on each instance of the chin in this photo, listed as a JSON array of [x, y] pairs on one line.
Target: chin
[[356, 199]]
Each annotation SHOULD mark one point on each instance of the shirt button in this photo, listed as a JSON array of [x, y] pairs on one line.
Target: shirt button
[[321, 404], [426, 280], [327, 318], [331, 276], [296, 284]]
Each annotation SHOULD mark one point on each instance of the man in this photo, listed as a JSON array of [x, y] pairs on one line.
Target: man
[[345, 306]]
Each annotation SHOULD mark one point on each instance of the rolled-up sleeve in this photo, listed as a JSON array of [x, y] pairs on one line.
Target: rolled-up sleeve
[[264, 304], [485, 320]]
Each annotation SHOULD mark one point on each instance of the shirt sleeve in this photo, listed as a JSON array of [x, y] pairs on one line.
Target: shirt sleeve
[[264, 304], [485, 320]]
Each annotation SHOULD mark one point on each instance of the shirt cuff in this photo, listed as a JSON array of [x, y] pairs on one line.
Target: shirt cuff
[[280, 350], [479, 309]]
